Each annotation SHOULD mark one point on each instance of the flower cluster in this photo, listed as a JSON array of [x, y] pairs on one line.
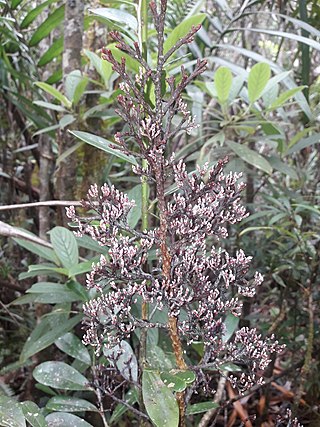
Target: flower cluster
[[193, 280]]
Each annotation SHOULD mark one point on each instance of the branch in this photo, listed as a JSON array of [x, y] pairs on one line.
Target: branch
[[9, 231], [39, 204]]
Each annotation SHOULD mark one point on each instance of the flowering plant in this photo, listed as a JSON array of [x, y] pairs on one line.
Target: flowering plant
[[191, 280]]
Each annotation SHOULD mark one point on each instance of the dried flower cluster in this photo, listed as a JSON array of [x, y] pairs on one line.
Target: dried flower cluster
[[193, 280]]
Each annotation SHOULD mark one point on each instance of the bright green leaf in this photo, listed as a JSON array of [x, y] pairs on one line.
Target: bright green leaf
[[257, 80], [281, 100], [182, 30], [34, 12], [223, 83], [54, 19], [50, 106], [55, 49], [55, 93]]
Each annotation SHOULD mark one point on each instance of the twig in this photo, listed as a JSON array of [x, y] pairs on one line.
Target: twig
[[39, 204]]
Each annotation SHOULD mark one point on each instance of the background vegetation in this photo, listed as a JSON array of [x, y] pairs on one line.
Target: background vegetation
[[57, 121]]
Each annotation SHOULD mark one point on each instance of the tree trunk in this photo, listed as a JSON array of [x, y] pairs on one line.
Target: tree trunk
[[71, 60]]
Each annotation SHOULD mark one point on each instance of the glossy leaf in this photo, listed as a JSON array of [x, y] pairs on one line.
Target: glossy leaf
[[250, 156], [63, 419], [33, 415], [223, 83], [54, 92], [159, 402], [54, 19], [72, 345], [135, 212], [231, 324], [60, 375], [116, 15], [11, 414], [257, 80], [70, 404], [125, 360], [102, 144], [104, 68], [65, 246], [44, 335], [182, 30]]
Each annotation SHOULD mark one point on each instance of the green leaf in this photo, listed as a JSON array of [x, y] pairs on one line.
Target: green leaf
[[43, 335], [126, 361], [257, 80], [280, 101], [50, 106], [158, 358], [282, 167], [34, 12], [304, 143], [60, 375], [131, 63], [52, 293], [11, 414], [198, 408], [55, 49], [54, 92], [102, 144], [135, 212], [116, 15], [104, 68], [231, 323], [65, 245], [75, 85], [33, 415], [159, 402], [72, 345], [177, 380], [69, 404], [54, 19], [223, 83], [43, 269], [37, 249], [63, 419], [82, 267], [131, 398], [182, 30], [250, 156], [229, 367]]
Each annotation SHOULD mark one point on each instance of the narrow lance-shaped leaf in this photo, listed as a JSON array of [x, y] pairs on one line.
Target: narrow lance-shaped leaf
[[102, 144], [53, 20], [54, 92], [250, 156]]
